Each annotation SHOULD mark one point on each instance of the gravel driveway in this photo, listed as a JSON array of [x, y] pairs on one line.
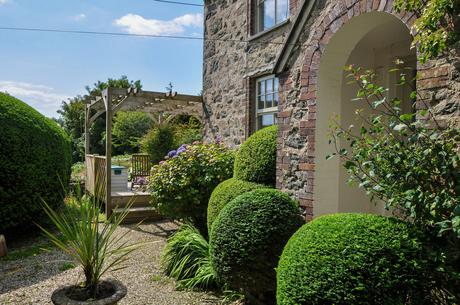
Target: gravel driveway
[[33, 279]]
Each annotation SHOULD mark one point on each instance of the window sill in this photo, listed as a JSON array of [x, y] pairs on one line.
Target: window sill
[[269, 30]]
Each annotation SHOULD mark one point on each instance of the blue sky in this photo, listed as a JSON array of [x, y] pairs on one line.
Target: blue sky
[[42, 69]]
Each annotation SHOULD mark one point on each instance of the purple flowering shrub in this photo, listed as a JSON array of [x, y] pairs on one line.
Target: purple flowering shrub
[[182, 184]]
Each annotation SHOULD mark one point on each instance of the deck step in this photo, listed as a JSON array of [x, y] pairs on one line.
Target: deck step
[[137, 214]]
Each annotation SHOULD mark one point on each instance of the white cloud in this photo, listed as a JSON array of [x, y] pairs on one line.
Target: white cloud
[[136, 24], [3, 2], [40, 97], [78, 17]]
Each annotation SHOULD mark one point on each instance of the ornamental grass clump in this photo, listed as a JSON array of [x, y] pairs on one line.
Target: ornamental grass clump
[[97, 247], [186, 258], [182, 184]]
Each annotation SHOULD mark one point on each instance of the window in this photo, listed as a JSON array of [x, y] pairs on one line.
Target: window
[[266, 101], [269, 13]]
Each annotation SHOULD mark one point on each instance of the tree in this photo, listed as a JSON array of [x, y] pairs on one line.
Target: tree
[[72, 116], [128, 129]]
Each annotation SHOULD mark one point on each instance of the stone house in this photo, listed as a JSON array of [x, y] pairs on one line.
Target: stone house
[[281, 62]]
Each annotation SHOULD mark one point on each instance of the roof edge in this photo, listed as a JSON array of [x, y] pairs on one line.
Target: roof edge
[[300, 20]]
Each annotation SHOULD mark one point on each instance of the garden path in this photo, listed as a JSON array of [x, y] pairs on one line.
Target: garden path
[[32, 280]]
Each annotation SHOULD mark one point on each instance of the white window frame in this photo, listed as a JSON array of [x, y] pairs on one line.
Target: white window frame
[[260, 15], [271, 110]]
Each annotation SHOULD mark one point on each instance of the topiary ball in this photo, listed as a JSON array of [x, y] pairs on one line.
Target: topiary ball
[[35, 160], [256, 158], [352, 259], [247, 239], [226, 192]]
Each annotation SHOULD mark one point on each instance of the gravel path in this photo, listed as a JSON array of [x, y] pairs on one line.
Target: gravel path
[[32, 280]]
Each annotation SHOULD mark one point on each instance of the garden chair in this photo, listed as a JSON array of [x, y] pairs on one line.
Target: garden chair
[[140, 169]]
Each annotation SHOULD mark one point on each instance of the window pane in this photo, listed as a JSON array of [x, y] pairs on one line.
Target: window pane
[[282, 10], [268, 101], [260, 16], [269, 13], [261, 103], [275, 99], [276, 84], [270, 85], [266, 120], [261, 86]]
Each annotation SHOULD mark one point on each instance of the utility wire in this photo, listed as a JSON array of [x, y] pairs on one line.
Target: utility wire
[[49, 30], [178, 2]]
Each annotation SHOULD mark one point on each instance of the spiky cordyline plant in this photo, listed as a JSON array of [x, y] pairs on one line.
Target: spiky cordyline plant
[[94, 245]]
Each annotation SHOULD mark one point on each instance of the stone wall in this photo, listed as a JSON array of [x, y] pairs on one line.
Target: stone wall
[[233, 58]]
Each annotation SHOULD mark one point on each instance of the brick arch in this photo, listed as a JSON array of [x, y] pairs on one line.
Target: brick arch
[[331, 20]]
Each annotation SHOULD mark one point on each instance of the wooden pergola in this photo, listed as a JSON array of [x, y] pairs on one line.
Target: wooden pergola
[[113, 100]]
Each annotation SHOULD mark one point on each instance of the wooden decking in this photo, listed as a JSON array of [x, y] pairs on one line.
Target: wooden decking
[[140, 209]]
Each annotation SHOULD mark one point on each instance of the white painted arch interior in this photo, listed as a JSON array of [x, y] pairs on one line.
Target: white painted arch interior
[[372, 40]]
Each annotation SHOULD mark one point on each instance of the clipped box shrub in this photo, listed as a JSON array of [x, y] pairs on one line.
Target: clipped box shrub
[[256, 158], [247, 239], [226, 192], [35, 157], [181, 185], [353, 259]]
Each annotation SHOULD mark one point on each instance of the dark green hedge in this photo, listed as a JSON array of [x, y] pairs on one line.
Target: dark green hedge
[[353, 259], [256, 158], [35, 155], [247, 239], [226, 192]]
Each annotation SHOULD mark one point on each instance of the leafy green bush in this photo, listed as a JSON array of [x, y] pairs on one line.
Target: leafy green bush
[[256, 158], [247, 239], [411, 164], [128, 129], [158, 142], [186, 258], [226, 192], [187, 131], [353, 259], [35, 158], [436, 26], [182, 184]]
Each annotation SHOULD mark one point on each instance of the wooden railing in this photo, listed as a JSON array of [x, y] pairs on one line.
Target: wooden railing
[[96, 175]]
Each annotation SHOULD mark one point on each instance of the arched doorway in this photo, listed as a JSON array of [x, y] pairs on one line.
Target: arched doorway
[[373, 40]]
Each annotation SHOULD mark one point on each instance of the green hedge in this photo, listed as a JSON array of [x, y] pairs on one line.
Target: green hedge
[[35, 155], [353, 259], [256, 158], [248, 237], [226, 192]]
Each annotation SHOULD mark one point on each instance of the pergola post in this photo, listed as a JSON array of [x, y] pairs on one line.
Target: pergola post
[[108, 151]]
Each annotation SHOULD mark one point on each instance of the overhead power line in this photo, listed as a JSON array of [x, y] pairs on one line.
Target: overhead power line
[[49, 30], [180, 3]]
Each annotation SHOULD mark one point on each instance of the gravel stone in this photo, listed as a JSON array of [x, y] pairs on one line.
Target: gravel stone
[[33, 280]]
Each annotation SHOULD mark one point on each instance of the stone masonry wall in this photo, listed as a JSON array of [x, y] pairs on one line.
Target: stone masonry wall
[[233, 58]]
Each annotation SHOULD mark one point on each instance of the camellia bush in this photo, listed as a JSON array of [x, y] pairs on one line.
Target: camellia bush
[[182, 184], [35, 160], [411, 162], [354, 259]]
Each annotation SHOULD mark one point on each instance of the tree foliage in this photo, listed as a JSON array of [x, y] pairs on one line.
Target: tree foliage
[[158, 142], [128, 129], [436, 26]]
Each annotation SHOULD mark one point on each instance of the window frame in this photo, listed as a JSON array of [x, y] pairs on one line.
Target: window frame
[[266, 110], [259, 18]]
